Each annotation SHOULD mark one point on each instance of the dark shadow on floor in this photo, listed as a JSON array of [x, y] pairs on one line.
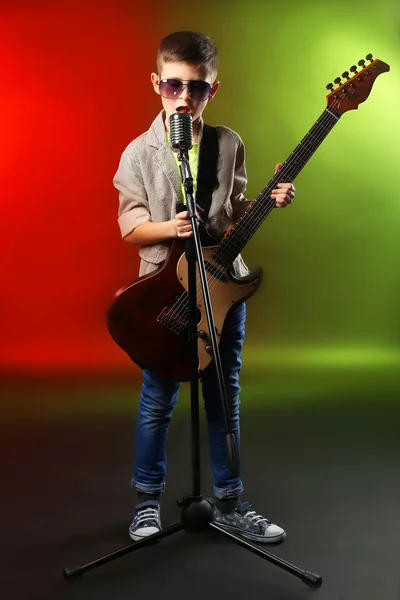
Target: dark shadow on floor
[[327, 471]]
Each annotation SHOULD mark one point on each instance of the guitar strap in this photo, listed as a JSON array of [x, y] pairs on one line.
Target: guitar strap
[[207, 170]]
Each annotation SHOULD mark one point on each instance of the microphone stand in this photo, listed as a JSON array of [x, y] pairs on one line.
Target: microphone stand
[[197, 513]]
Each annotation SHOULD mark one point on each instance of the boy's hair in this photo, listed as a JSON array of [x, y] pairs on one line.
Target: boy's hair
[[189, 47]]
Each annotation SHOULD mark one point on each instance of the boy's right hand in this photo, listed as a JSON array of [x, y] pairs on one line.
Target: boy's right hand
[[183, 224]]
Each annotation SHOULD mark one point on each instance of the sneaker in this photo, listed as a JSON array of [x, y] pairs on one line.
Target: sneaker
[[244, 521], [147, 520]]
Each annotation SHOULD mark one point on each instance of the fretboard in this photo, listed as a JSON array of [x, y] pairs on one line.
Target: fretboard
[[248, 224]]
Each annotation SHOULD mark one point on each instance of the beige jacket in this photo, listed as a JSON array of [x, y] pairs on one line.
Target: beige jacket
[[148, 182]]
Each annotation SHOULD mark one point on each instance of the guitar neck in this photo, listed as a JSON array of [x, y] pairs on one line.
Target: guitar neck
[[237, 238]]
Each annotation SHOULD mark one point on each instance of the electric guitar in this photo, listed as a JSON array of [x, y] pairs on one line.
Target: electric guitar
[[149, 318]]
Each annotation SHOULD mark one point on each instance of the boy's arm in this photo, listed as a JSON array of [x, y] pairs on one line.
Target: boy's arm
[[151, 233], [134, 209], [134, 216]]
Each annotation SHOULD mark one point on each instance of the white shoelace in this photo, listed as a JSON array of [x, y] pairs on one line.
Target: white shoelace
[[146, 514], [255, 518]]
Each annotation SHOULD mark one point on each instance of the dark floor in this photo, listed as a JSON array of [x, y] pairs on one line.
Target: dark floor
[[327, 471]]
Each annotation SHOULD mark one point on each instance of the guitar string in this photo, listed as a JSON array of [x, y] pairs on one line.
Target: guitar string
[[180, 307]]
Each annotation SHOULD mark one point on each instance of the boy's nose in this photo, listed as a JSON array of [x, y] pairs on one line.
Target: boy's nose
[[184, 95]]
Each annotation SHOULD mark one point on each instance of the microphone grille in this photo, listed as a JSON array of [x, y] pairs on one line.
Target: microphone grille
[[181, 131]]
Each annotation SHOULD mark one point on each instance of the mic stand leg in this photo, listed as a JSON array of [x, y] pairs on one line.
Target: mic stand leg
[[196, 512]]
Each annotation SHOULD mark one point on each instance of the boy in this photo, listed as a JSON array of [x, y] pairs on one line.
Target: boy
[[149, 187]]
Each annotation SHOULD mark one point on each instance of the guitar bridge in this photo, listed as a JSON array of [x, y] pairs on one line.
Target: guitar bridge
[[172, 320]]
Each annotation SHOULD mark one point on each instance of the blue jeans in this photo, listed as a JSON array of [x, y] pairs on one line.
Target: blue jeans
[[158, 398]]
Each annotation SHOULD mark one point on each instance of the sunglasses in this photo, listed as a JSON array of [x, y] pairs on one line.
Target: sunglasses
[[198, 90]]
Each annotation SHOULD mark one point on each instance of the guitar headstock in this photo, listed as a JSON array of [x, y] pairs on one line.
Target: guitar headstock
[[355, 89]]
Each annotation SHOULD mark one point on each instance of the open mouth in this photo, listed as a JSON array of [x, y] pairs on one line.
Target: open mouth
[[183, 109]]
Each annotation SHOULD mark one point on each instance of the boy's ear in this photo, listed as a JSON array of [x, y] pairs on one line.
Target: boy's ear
[[214, 90], [155, 80]]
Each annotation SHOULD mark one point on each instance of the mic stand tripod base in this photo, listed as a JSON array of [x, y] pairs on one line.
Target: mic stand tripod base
[[196, 513]]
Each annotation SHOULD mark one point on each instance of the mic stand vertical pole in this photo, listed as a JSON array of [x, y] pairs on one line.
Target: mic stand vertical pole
[[194, 253], [192, 335]]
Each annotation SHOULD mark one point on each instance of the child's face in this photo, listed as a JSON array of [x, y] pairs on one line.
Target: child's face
[[182, 100]]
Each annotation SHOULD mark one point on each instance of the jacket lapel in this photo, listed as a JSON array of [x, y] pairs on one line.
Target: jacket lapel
[[163, 155], [156, 137]]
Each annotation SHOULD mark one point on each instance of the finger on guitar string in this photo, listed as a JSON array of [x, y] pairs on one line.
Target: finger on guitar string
[[283, 195]]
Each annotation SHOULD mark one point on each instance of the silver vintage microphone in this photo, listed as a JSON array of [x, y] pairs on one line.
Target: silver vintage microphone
[[181, 131], [181, 138]]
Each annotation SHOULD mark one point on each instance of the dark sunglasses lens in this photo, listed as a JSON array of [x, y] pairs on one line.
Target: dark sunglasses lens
[[199, 90], [170, 88]]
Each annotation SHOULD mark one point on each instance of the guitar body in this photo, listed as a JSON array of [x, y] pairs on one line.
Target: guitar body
[[148, 318]]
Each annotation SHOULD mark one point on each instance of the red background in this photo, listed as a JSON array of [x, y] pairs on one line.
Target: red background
[[67, 71]]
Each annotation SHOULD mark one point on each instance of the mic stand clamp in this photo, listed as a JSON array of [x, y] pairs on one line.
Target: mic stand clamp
[[197, 513]]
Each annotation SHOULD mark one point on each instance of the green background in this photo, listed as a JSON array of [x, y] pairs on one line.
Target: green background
[[331, 260]]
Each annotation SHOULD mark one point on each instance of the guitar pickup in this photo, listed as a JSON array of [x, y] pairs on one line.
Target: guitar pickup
[[218, 273]]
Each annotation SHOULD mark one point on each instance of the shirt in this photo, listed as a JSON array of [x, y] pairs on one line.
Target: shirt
[[193, 161]]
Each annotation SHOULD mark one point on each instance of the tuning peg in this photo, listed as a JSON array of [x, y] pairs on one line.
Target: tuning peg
[[361, 63], [329, 86], [337, 80], [353, 69], [369, 57], [346, 75]]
